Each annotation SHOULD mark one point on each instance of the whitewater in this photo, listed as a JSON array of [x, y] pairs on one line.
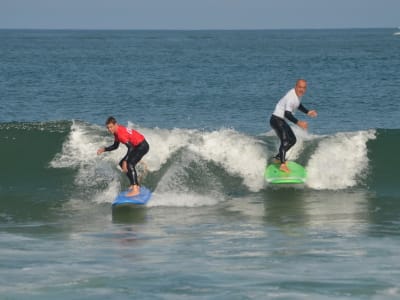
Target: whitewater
[[191, 164]]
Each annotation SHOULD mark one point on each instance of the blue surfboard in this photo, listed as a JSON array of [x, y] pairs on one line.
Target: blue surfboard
[[141, 199]]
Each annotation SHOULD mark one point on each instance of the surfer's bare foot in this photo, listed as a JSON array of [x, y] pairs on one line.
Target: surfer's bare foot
[[284, 168], [134, 190]]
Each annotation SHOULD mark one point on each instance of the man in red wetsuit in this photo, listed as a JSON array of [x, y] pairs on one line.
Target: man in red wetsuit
[[137, 148]]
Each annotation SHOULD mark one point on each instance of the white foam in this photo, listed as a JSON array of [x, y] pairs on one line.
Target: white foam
[[79, 152], [182, 199], [239, 154], [163, 143], [339, 160], [108, 195], [179, 188]]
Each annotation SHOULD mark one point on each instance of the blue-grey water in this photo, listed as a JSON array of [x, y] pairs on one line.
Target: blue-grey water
[[214, 229]]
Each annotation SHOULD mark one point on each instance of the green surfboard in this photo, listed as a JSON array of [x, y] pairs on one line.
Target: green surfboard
[[296, 175]]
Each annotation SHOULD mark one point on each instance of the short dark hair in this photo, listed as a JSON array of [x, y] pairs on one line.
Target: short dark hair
[[111, 120]]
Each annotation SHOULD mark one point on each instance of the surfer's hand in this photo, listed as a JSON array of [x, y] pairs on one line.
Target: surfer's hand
[[124, 167], [302, 124], [100, 151], [312, 113]]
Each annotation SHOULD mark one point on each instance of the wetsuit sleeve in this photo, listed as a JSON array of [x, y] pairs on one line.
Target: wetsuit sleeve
[[130, 150], [303, 109], [290, 117], [112, 147]]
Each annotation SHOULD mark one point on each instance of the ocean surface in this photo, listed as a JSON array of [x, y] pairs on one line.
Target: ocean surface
[[214, 229]]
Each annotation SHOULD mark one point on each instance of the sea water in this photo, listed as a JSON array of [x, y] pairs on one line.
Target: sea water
[[213, 228]]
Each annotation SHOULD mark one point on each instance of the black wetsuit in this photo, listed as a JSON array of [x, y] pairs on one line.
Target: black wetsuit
[[284, 132]]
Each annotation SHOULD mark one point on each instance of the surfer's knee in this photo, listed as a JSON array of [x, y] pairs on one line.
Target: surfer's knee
[[286, 144]]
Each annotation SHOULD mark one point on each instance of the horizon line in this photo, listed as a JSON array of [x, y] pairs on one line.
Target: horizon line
[[194, 29]]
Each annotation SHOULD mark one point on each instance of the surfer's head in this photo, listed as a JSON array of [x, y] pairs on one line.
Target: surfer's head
[[301, 87], [111, 124]]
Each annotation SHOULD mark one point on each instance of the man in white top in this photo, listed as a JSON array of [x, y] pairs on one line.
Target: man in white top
[[284, 110]]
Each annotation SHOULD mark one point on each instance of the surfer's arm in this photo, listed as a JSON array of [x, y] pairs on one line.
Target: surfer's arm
[[112, 147], [311, 113], [290, 117], [109, 148], [303, 109]]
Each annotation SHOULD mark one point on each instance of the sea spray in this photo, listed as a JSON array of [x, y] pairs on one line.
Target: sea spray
[[238, 153], [339, 160]]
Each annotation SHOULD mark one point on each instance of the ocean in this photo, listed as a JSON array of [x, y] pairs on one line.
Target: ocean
[[214, 229]]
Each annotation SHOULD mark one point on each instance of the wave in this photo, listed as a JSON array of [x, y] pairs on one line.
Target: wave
[[186, 167]]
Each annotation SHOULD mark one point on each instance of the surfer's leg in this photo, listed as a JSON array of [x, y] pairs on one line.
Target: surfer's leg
[[279, 125], [134, 158], [129, 174], [288, 141], [290, 138], [133, 180], [287, 138], [274, 122]]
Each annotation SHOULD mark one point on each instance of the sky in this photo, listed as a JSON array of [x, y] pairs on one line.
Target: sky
[[199, 14]]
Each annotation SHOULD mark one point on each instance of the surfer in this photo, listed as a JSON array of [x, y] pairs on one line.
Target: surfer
[[284, 110], [137, 148]]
